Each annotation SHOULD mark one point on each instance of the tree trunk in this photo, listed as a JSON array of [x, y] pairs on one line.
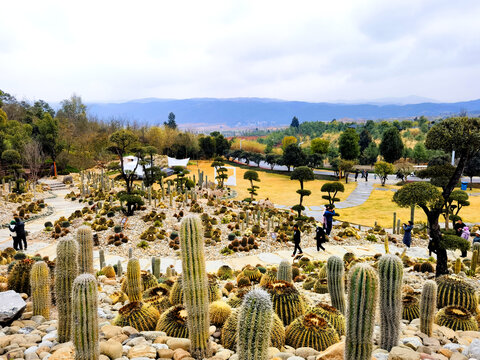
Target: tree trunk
[[436, 235]]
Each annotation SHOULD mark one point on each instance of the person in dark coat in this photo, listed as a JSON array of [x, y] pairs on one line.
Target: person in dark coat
[[366, 175], [407, 236], [356, 174], [296, 240], [19, 229], [458, 227], [328, 219], [321, 237]]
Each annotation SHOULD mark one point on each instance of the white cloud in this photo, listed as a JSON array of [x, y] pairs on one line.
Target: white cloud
[[304, 50]]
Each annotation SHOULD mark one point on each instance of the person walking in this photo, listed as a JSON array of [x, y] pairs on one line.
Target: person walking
[[19, 229], [366, 175], [458, 227], [407, 236], [328, 219], [321, 237], [296, 240], [356, 174]]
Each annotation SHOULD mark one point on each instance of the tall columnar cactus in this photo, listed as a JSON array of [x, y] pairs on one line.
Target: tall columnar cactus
[[66, 270], [458, 266], [195, 285], [362, 302], [336, 284], [40, 285], [85, 318], [101, 255], [390, 271], [473, 266], [119, 268], [156, 266], [85, 250], [428, 304], [254, 324], [284, 271], [134, 281]]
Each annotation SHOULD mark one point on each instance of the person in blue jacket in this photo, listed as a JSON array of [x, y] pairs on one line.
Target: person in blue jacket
[[407, 236], [328, 219]]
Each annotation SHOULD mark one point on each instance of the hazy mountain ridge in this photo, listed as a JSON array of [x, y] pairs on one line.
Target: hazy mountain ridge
[[252, 112]]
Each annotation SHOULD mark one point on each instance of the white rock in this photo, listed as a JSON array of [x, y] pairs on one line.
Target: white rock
[[473, 349], [11, 305]]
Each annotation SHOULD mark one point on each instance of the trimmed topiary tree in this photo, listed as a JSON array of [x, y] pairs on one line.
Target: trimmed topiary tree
[[302, 174]]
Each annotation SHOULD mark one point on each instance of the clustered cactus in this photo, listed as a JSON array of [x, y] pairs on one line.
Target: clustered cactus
[[284, 271], [195, 285], [85, 250], [40, 285], [428, 304], [335, 281], [390, 271], [85, 318], [255, 320], [66, 270], [362, 301]]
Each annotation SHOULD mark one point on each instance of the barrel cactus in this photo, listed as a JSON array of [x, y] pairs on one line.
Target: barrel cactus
[[252, 273], [85, 250], [219, 312], [411, 309], [19, 276], [40, 285], [139, 315], [195, 285], [286, 299], [85, 318], [332, 315], [390, 271], [66, 270], [225, 272], [453, 290], [255, 320], [311, 330], [428, 304], [456, 318], [173, 322], [229, 332], [284, 271], [335, 281], [362, 302]]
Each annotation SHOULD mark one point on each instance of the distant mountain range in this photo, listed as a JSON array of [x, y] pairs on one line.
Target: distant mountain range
[[208, 113]]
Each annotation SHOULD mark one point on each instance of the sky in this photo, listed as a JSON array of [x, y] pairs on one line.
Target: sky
[[294, 50]]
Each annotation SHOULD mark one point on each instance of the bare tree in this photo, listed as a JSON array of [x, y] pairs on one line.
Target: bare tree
[[34, 159]]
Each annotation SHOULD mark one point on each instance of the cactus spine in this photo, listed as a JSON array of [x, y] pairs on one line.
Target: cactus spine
[[428, 304], [85, 253], [284, 271], [390, 271], [362, 301], [195, 285], [134, 281], [40, 285], [85, 318], [336, 285], [101, 255], [66, 270], [254, 322]]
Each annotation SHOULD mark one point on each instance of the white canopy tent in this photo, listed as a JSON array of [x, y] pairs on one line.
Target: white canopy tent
[[177, 162]]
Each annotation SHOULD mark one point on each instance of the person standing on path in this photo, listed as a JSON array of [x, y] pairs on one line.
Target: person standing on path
[[320, 237], [19, 229], [356, 174], [366, 175], [328, 219], [11, 227], [458, 227], [477, 237], [407, 236], [296, 240]]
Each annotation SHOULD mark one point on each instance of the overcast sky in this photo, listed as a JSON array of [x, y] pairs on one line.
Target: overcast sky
[[294, 50]]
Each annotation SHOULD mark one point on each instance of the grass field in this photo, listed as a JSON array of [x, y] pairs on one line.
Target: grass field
[[278, 188], [380, 208]]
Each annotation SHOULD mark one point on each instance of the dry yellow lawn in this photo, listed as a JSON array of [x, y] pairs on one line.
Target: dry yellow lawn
[[278, 188], [380, 207]]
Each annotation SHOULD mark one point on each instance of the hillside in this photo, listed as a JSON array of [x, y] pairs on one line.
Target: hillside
[[254, 112]]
